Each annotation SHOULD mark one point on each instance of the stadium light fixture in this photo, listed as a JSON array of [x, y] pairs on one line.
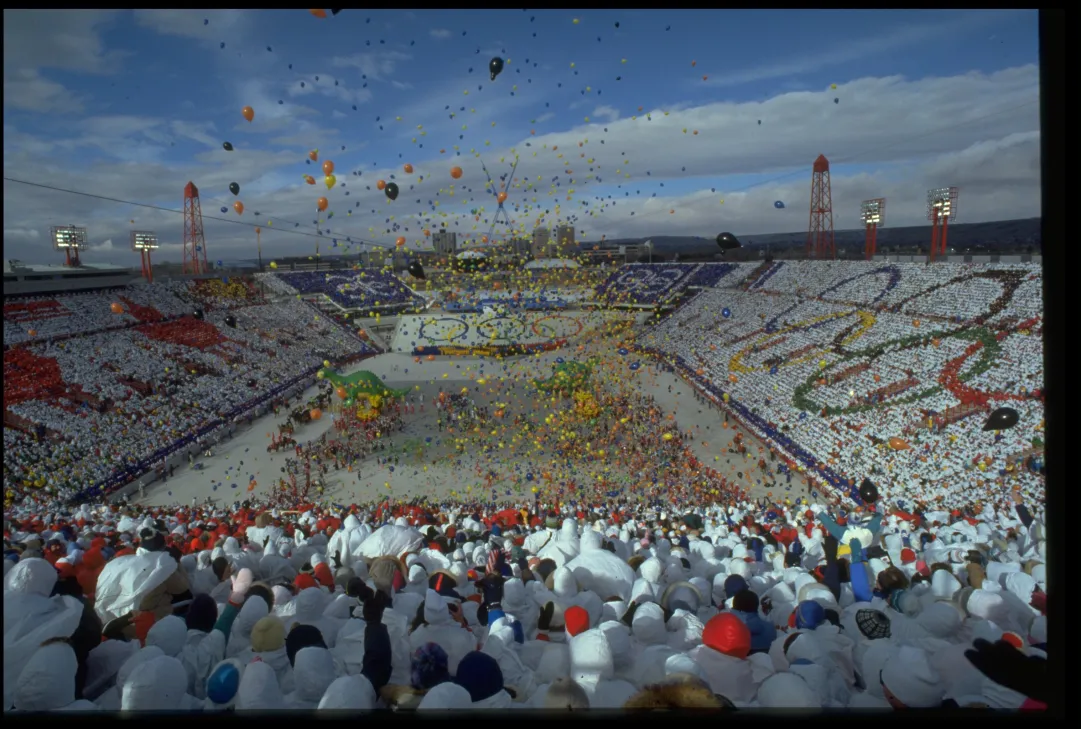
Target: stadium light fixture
[[143, 242], [941, 208], [71, 239], [873, 214]]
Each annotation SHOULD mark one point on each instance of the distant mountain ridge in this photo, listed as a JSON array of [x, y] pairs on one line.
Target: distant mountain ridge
[[994, 234]]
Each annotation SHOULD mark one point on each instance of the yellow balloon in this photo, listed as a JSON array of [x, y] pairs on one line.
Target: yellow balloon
[[331, 181]]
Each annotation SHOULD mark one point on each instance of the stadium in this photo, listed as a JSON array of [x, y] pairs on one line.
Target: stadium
[[536, 473]]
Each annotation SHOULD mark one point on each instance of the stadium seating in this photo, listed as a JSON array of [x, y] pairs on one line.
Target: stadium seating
[[353, 289]]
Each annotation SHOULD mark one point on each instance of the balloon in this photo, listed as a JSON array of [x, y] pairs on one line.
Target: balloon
[[335, 12], [899, 444], [248, 113], [495, 67], [330, 181], [227, 147], [223, 683], [726, 312], [234, 188], [501, 197], [391, 191], [32, 332], [868, 491], [116, 308], [318, 13], [380, 184], [342, 393], [727, 242], [1001, 419], [456, 172], [314, 155], [328, 167], [416, 270], [779, 205], [316, 413], [309, 179], [400, 242], [322, 203], [239, 207], [408, 169], [273, 264]]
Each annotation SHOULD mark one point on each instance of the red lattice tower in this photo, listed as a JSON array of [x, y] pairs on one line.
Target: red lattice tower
[[820, 242], [941, 206], [194, 242], [873, 215]]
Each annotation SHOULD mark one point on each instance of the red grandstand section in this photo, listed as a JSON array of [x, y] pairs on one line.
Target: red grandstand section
[[145, 314], [28, 376], [28, 311], [187, 331]]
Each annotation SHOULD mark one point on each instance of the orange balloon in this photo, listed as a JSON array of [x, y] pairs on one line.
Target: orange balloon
[[456, 172], [316, 413], [239, 207], [314, 155], [899, 444], [248, 113], [431, 358], [380, 185], [328, 167], [342, 393], [916, 323], [502, 197], [322, 203], [33, 332], [408, 168], [400, 242], [320, 13], [309, 179], [116, 308], [427, 232]]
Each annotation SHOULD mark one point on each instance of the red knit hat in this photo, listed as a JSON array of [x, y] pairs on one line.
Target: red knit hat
[[908, 556], [727, 634], [304, 580], [323, 575], [576, 619]]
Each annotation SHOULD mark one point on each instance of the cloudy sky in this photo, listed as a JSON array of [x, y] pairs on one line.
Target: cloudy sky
[[623, 123]]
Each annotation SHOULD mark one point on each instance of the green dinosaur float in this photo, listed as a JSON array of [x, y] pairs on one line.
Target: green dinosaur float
[[568, 377], [361, 384]]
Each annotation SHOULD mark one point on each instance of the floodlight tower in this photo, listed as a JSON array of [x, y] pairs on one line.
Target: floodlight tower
[[194, 242], [820, 242], [873, 213], [144, 242], [941, 206], [71, 239]]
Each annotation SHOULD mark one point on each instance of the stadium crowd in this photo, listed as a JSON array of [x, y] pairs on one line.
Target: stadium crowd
[[929, 593]]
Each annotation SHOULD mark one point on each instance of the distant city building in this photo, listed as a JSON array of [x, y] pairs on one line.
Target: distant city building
[[445, 242], [541, 240], [565, 239]]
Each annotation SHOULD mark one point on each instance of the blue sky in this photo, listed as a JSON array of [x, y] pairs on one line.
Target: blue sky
[[134, 104]]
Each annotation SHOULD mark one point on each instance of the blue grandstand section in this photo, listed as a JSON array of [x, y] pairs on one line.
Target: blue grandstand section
[[354, 289]]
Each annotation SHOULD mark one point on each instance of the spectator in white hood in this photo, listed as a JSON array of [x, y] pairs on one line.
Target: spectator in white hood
[[47, 682]]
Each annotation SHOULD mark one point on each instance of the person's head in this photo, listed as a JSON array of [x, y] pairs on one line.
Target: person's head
[[222, 569], [565, 693], [891, 579], [262, 591]]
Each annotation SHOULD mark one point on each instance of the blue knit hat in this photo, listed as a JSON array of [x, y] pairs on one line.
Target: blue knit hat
[[479, 674], [428, 667], [809, 615], [733, 585]]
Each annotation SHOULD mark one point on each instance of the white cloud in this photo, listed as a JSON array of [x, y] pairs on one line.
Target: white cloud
[[834, 54], [376, 66], [606, 112], [68, 41], [440, 33], [189, 23], [25, 89], [979, 132], [329, 86]]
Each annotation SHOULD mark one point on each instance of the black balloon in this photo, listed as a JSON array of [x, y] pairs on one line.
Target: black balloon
[[335, 12], [416, 270], [495, 67], [868, 491], [230, 321], [1001, 419], [234, 188], [391, 190], [198, 314], [227, 147], [727, 241]]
